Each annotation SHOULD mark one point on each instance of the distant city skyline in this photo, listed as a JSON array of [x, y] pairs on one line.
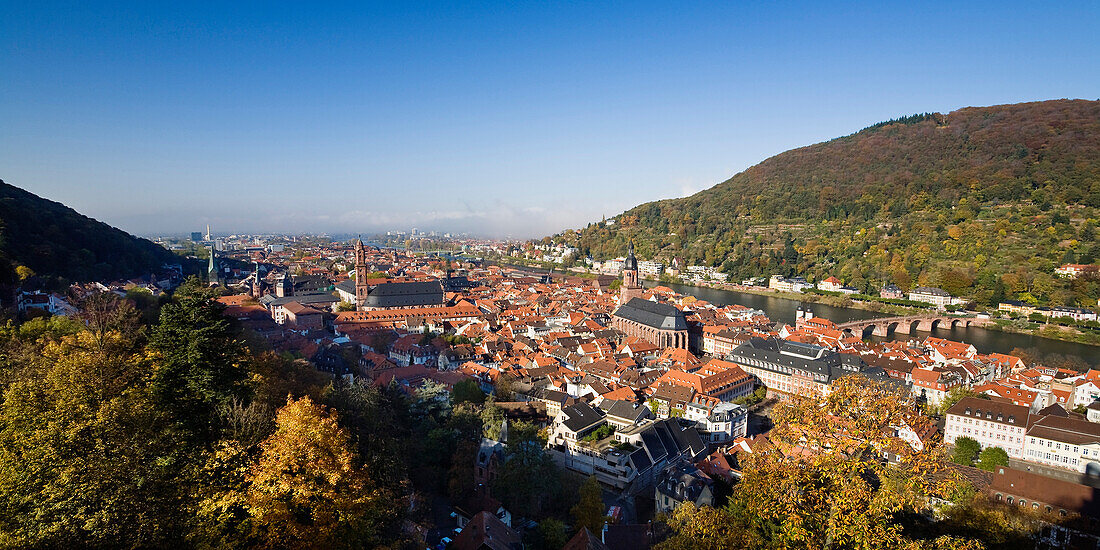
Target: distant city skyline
[[516, 120]]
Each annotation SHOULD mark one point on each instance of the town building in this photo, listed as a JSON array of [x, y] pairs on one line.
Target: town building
[[891, 292], [1065, 442], [1076, 271], [658, 323], [991, 423], [681, 483], [785, 284], [793, 368], [932, 295]]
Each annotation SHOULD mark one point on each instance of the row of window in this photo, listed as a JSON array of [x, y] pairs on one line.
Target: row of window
[[1053, 458], [992, 425], [1034, 505], [1059, 446], [988, 435]]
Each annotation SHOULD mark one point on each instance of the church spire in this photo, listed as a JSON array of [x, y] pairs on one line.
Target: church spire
[[212, 268]]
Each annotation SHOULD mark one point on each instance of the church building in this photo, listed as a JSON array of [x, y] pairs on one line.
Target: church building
[[660, 324]]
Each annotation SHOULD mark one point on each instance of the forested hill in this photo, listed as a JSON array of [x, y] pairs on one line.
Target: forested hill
[[56, 241], [959, 199]]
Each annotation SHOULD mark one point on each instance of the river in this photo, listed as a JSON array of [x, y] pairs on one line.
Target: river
[[986, 341]]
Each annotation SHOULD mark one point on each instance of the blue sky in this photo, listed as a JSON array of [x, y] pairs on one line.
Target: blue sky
[[505, 118]]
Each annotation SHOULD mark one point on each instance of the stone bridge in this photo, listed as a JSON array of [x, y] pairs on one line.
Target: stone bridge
[[907, 324]]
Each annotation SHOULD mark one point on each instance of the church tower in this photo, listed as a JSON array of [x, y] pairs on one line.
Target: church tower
[[213, 274], [631, 288], [361, 287], [257, 283]]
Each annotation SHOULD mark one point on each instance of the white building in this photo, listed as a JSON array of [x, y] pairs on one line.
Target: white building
[[719, 423], [50, 303], [1064, 442], [651, 269], [990, 423], [935, 296], [784, 284]]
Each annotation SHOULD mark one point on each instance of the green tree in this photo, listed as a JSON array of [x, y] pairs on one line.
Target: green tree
[[589, 510], [956, 394], [991, 458], [966, 450], [529, 480], [492, 419], [467, 391], [200, 360], [550, 535]]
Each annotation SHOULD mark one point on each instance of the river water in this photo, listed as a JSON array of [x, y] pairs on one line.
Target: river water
[[783, 310]]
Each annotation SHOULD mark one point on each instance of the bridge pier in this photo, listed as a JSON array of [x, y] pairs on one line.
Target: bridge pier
[[925, 325], [904, 327], [881, 330]]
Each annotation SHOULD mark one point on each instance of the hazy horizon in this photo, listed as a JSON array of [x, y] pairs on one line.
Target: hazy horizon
[[496, 120]]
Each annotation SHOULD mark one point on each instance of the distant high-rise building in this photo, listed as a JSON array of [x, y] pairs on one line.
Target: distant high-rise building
[[196, 236]]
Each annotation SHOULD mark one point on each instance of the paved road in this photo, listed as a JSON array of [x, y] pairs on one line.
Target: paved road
[[759, 423]]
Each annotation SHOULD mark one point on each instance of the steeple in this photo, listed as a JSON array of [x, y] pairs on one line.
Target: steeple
[[631, 262], [257, 285], [361, 286], [631, 288], [212, 269]]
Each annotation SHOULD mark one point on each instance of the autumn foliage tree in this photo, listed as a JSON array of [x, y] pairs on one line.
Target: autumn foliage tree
[[824, 484], [588, 512], [307, 488]]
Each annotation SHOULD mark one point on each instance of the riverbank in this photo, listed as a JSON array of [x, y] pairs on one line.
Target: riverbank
[[1040, 330], [1048, 331], [879, 309], [888, 310]]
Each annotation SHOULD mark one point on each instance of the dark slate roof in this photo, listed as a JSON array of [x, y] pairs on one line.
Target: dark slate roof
[[455, 284], [625, 410], [930, 290], [269, 301], [653, 314], [662, 430], [310, 283], [581, 416], [412, 294], [652, 442], [347, 285], [640, 459], [687, 437]]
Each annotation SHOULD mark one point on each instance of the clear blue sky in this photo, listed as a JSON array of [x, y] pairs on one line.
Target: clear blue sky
[[500, 118]]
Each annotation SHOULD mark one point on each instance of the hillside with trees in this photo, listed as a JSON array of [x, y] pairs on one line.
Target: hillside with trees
[[55, 241], [984, 202]]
